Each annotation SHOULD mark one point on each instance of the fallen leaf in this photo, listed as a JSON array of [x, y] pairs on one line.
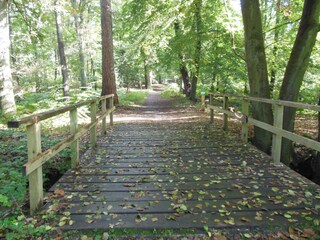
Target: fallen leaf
[[308, 232]]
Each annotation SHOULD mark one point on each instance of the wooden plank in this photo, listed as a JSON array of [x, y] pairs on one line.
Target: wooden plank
[[75, 144], [271, 219], [104, 121], [111, 114], [245, 125], [93, 130], [193, 206], [277, 139], [35, 178]]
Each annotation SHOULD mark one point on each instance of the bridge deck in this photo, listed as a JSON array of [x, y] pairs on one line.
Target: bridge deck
[[182, 176]]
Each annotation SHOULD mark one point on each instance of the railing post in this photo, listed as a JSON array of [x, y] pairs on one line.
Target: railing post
[[225, 116], [111, 114], [245, 112], [93, 131], [104, 110], [211, 110], [277, 139], [35, 178], [73, 130]]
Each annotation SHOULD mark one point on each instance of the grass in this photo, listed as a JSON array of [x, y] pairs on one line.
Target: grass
[[132, 97], [172, 92]]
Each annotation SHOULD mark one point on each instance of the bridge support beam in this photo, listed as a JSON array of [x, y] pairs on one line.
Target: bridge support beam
[[35, 178], [73, 130], [277, 138]]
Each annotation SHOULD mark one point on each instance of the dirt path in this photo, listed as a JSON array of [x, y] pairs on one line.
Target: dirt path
[[156, 108]]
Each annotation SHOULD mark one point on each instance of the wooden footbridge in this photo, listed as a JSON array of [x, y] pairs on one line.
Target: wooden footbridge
[[173, 175]]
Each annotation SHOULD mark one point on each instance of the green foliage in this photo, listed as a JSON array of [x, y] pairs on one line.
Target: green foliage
[[18, 226], [134, 97], [172, 90]]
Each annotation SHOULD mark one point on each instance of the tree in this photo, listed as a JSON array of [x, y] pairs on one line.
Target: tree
[[198, 46], [257, 70], [297, 66], [182, 63], [78, 9], [108, 75], [62, 55], [7, 101]]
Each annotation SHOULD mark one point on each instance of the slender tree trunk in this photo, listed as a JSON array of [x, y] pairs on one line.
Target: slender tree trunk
[[257, 70], [198, 25], [297, 66], [182, 64], [7, 102], [62, 56], [273, 72], [108, 75], [13, 54], [36, 72], [78, 20], [147, 79]]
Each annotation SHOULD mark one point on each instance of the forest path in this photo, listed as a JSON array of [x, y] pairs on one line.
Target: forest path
[[159, 109], [160, 171]]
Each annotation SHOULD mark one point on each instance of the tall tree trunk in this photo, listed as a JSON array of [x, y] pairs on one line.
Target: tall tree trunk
[[36, 72], [108, 75], [257, 70], [13, 53], [197, 56], [182, 64], [62, 55], [147, 79], [296, 68], [7, 102], [273, 72], [78, 20]]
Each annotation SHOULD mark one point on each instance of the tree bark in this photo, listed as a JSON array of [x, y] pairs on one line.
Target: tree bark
[[257, 70], [182, 64], [197, 57], [62, 55], [147, 79], [296, 68], [108, 75], [273, 72], [7, 102], [78, 20]]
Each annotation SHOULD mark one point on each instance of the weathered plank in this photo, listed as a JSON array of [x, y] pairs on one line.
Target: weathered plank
[[143, 176]]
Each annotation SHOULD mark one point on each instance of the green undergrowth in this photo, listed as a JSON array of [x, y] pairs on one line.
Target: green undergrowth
[[114, 234], [173, 93], [14, 223], [132, 97]]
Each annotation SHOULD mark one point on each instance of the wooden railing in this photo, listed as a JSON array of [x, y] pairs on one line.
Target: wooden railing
[[276, 128], [36, 158]]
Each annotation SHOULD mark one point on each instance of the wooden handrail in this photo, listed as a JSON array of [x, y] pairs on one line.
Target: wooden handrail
[[36, 158], [276, 128], [38, 117], [271, 101]]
